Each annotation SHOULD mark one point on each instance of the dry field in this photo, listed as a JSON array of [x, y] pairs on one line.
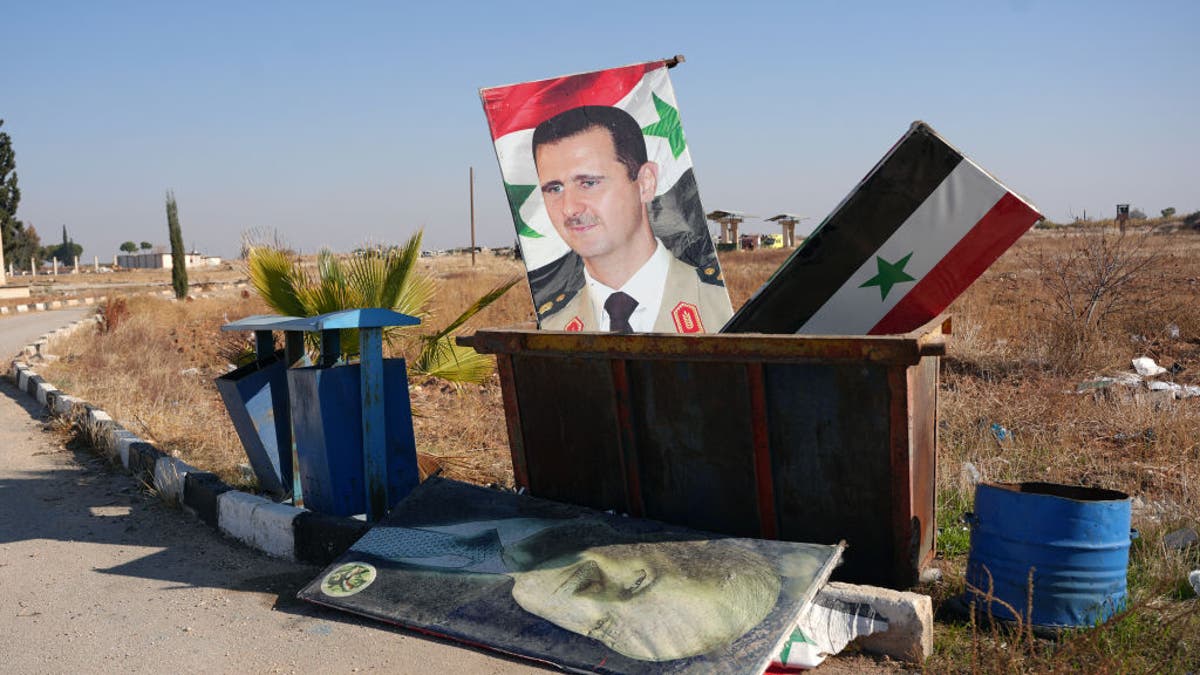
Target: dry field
[[1061, 308]]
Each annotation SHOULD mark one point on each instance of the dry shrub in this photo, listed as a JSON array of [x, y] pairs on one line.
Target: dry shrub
[[1096, 283], [154, 371], [112, 313]]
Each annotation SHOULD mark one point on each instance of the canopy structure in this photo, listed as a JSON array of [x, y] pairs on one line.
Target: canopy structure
[[729, 221], [788, 222]]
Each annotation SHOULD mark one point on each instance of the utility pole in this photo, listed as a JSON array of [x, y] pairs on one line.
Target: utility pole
[[472, 192]]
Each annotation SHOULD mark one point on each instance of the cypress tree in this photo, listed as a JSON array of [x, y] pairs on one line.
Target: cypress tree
[[179, 279]]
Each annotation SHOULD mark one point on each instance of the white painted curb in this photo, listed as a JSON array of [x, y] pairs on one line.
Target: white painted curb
[[258, 522], [170, 475]]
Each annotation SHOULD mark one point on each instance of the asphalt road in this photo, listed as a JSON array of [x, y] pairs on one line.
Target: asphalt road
[[97, 575]]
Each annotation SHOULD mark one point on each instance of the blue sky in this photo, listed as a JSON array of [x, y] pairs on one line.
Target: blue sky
[[338, 125]]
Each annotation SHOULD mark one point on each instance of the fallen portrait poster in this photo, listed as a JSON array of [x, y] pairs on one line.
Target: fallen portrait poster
[[599, 179], [906, 241], [575, 588]]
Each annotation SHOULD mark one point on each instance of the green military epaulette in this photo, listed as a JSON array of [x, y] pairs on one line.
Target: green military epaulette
[[711, 274], [558, 302]]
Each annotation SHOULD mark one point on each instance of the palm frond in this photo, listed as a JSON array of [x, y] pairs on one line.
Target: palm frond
[[403, 279], [453, 363], [276, 278]]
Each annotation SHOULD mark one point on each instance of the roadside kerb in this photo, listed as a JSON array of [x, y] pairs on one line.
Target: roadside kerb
[[95, 300], [279, 530]]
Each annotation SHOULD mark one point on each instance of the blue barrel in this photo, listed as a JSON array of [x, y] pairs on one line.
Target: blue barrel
[[1075, 540]]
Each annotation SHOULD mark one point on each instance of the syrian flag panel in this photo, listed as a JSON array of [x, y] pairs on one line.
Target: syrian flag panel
[[919, 229], [644, 91]]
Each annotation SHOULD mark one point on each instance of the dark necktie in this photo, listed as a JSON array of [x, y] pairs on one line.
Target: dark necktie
[[619, 307]]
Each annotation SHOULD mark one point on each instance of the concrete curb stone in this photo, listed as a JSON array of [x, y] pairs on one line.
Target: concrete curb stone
[[278, 530]]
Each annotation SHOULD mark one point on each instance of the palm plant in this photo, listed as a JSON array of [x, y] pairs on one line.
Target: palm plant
[[375, 277]]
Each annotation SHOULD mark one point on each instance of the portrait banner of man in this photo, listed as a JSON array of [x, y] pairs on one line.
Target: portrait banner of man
[[573, 587], [599, 179]]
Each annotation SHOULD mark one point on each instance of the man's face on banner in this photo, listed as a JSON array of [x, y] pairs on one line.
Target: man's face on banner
[[595, 207]]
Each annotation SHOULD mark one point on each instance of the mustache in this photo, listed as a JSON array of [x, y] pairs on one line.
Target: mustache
[[579, 221]]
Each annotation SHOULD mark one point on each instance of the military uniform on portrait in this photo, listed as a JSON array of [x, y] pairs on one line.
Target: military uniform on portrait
[[694, 300]]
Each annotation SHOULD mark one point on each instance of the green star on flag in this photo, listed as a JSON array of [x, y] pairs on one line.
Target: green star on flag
[[889, 275], [667, 126], [517, 194]]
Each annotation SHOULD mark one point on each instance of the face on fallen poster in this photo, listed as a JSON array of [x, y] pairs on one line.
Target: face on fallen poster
[[574, 587], [599, 179]]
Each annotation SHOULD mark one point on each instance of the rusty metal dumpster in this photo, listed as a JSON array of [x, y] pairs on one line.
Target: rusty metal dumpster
[[794, 437]]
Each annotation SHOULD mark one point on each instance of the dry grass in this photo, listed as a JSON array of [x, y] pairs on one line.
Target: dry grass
[[1016, 360]]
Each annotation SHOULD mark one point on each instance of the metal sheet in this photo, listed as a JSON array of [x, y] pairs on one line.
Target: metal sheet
[[692, 424], [570, 433], [830, 440]]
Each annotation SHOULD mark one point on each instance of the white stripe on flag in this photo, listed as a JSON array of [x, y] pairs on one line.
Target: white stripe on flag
[[640, 104], [961, 200]]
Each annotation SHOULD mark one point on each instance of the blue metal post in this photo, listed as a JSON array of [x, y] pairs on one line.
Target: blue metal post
[[293, 351], [374, 421], [331, 347], [264, 345]]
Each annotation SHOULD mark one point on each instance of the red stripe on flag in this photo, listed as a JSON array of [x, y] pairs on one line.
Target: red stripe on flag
[[999, 228], [525, 105]]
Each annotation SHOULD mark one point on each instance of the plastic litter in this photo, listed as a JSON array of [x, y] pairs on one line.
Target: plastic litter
[[825, 628], [1194, 578], [970, 475], [1146, 367], [1181, 539], [1002, 434]]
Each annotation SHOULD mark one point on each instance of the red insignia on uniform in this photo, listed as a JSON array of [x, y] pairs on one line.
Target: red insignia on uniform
[[574, 325], [687, 318]]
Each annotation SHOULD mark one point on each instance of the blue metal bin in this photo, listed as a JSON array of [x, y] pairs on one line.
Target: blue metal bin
[[256, 396], [327, 413]]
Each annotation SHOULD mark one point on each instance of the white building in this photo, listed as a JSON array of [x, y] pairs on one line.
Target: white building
[[158, 261]]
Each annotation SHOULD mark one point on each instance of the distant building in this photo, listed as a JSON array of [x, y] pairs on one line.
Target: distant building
[[158, 261]]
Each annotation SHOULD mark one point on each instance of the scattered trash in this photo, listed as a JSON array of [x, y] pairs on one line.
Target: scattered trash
[[825, 628], [190, 371], [1176, 368], [1182, 538], [1002, 434], [1147, 435], [1173, 330], [969, 475], [1194, 578], [1146, 367]]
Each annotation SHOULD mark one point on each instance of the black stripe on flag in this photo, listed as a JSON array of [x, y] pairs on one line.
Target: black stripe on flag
[[849, 236]]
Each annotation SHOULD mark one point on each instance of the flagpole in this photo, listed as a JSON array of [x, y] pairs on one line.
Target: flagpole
[[472, 192]]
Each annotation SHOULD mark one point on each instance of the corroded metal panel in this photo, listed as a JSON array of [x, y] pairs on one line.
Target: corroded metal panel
[[693, 428], [922, 388], [832, 461], [570, 432]]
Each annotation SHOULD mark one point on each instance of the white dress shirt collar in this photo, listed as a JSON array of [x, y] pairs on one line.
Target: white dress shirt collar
[[646, 286]]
